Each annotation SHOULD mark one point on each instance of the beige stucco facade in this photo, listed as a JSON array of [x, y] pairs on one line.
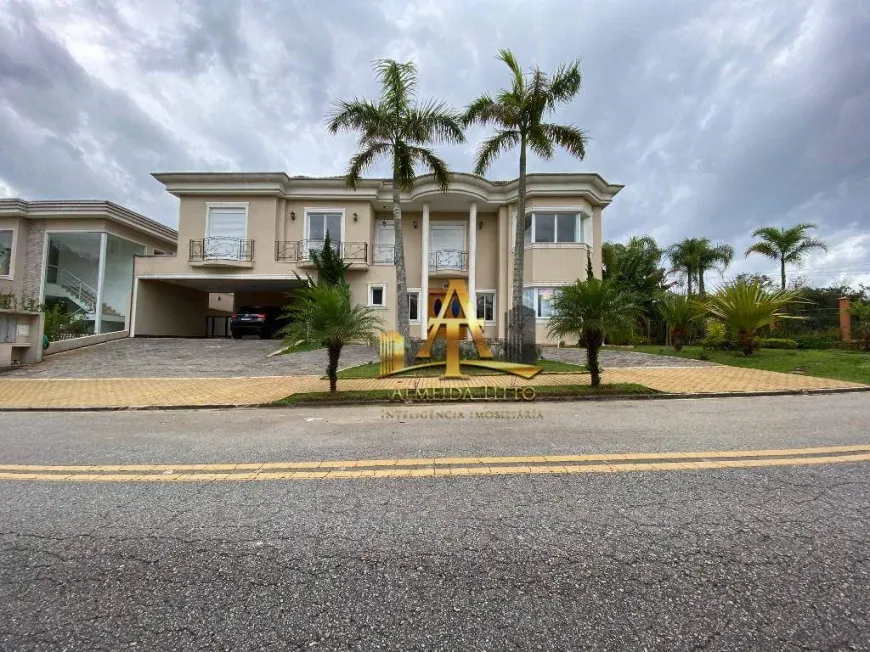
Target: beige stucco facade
[[465, 233]]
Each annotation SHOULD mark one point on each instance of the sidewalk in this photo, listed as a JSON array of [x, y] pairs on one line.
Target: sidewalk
[[121, 393]]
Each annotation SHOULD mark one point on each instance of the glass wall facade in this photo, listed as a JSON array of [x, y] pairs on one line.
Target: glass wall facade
[[90, 275]]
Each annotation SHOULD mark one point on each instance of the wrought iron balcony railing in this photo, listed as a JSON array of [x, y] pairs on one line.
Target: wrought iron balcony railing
[[294, 251], [221, 248], [383, 255], [448, 259]]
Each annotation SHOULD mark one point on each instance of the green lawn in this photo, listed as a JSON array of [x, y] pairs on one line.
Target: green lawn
[[853, 366], [372, 369], [383, 395]]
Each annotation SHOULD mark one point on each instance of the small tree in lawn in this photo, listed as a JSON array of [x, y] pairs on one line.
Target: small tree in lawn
[[331, 269], [746, 307], [326, 314], [593, 310], [861, 312], [679, 313]]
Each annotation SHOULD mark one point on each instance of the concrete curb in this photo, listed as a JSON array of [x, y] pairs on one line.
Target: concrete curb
[[384, 402]]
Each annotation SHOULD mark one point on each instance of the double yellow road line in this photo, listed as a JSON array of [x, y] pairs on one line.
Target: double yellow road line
[[438, 466]]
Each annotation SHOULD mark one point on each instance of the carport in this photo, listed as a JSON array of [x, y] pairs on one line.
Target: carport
[[179, 306]]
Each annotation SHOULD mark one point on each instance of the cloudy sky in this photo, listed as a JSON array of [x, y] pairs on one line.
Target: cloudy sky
[[718, 116]]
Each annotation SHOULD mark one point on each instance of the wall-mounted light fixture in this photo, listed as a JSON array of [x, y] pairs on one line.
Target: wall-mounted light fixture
[[292, 216], [355, 217], [384, 223], [415, 224], [479, 226]]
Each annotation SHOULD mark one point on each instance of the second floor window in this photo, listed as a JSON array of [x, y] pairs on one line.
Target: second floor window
[[6, 253], [554, 227], [227, 222], [319, 224]]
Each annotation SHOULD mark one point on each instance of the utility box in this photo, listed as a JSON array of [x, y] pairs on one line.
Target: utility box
[[20, 337]]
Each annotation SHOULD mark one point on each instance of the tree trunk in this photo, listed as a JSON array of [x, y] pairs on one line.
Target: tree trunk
[[333, 350], [516, 325], [782, 271], [689, 272], [593, 344], [402, 325], [678, 337], [701, 283], [746, 341]]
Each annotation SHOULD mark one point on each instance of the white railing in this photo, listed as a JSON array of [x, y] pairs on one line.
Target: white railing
[[84, 294]]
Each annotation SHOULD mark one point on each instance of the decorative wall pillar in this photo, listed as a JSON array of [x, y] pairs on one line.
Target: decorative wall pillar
[[505, 261], [423, 303], [845, 320], [472, 260]]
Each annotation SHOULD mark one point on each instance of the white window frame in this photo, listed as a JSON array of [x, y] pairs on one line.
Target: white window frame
[[225, 204], [379, 225], [309, 211], [419, 293], [535, 289], [12, 251], [494, 294], [383, 286], [580, 214]]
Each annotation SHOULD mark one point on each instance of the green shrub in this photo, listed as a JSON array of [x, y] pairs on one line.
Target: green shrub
[[716, 336], [776, 343], [819, 340]]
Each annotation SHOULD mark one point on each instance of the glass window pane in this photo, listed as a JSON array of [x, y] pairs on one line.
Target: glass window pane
[[72, 275], [315, 226], [117, 282], [545, 227], [545, 302], [529, 298], [566, 227], [413, 303], [528, 229], [226, 222], [5, 253], [377, 296], [333, 226], [485, 306]]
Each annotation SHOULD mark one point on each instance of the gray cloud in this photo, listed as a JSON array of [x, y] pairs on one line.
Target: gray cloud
[[718, 116]]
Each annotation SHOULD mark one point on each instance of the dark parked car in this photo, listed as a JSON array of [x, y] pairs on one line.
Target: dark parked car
[[264, 321]]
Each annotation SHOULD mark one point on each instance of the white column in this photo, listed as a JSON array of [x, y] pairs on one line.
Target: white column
[[423, 303], [472, 259], [101, 272]]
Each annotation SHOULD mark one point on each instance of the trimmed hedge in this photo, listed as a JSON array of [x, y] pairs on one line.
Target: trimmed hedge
[[776, 343]]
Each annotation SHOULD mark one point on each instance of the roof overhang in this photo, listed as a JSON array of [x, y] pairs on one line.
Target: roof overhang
[[591, 186], [76, 209]]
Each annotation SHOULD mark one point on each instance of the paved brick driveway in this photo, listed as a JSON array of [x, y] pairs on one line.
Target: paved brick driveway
[[617, 358], [187, 358]]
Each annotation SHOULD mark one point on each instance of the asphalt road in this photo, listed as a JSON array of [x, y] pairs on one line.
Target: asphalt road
[[736, 559]]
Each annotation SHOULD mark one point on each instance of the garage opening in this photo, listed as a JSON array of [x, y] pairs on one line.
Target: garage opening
[[204, 307]]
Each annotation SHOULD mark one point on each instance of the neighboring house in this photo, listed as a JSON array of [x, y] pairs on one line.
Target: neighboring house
[[250, 234], [78, 254]]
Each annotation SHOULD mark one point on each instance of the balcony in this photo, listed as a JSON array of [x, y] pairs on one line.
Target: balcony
[[299, 252], [448, 261], [219, 251]]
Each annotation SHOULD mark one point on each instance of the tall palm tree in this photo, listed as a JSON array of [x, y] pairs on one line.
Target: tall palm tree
[[592, 310], [518, 116], [323, 313], [788, 246], [400, 128], [693, 257]]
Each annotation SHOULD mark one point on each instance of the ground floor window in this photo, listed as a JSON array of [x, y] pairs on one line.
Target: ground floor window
[[540, 300], [377, 295], [413, 305], [486, 306]]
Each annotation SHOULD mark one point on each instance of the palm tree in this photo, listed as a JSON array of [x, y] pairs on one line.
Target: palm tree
[[679, 312], [400, 128], [746, 307], [695, 256], [325, 314], [518, 116], [785, 245], [593, 310]]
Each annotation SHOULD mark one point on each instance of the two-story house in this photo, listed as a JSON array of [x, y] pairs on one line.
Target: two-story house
[[250, 234]]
